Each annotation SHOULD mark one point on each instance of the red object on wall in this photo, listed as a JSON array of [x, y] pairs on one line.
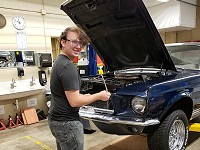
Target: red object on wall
[[75, 60], [99, 61]]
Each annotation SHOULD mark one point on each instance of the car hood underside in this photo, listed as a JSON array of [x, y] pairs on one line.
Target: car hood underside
[[121, 31]]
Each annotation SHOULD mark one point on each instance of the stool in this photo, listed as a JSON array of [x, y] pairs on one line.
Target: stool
[[17, 120], [2, 126], [10, 124]]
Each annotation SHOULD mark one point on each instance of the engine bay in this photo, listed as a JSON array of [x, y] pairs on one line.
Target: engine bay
[[116, 80]]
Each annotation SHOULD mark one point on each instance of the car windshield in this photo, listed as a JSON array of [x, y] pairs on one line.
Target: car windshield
[[185, 55]]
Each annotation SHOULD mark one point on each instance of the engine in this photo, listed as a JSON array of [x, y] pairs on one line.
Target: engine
[[96, 84], [92, 85], [114, 82]]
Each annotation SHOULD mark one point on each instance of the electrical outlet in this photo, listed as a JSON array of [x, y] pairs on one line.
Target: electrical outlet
[[31, 102]]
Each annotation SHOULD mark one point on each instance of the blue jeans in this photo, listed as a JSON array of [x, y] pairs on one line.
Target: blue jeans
[[69, 134]]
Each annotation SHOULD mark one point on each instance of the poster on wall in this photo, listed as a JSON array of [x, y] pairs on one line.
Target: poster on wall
[[21, 40]]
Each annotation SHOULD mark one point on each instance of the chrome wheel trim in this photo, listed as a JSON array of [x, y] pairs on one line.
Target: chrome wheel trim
[[177, 135]]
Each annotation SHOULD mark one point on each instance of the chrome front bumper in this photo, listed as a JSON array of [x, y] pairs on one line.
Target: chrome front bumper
[[105, 116]]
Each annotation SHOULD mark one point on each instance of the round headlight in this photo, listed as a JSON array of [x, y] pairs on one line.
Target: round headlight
[[138, 104]]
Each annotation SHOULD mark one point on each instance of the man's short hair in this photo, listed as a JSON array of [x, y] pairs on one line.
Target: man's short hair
[[84, 39]]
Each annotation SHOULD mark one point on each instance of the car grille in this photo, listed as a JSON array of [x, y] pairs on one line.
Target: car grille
[[102, 104]]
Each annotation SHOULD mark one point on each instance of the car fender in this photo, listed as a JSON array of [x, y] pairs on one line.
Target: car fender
[[177, 102], [161, 101]]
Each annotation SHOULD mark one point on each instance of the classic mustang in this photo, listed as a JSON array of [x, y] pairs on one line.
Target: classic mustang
[[149, 94]]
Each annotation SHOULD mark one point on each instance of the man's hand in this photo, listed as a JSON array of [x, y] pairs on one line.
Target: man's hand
[[104, 95]]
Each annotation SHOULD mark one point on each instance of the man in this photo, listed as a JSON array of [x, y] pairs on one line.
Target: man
[[63, 118]]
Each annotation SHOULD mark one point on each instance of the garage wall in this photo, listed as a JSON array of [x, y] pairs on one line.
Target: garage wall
[[171, 16], [42, 23], [186, 35]]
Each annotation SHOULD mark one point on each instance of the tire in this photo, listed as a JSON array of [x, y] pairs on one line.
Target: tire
[[171, 134]]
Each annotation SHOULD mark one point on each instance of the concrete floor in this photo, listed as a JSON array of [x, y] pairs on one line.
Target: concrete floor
[[38, 136]]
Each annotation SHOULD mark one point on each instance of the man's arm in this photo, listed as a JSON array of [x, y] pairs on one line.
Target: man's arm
[[77, 100]]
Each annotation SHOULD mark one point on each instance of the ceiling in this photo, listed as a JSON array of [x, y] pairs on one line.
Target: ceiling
[[166, 14], [46, 2], [148, 3]]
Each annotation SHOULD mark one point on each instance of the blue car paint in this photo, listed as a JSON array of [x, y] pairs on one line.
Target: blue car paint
[[161, 93]]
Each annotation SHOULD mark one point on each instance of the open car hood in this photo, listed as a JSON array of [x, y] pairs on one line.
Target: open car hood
[[121, 31]]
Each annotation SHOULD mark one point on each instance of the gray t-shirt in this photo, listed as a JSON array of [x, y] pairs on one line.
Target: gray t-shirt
[[64, 77]]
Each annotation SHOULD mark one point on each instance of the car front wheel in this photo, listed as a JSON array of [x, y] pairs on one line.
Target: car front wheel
[[171, 134]]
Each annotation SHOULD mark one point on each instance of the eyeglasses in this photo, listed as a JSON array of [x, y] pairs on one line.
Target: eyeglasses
[[75, 43]]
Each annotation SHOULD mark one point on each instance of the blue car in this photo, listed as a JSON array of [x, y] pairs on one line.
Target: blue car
[[155, 87]]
